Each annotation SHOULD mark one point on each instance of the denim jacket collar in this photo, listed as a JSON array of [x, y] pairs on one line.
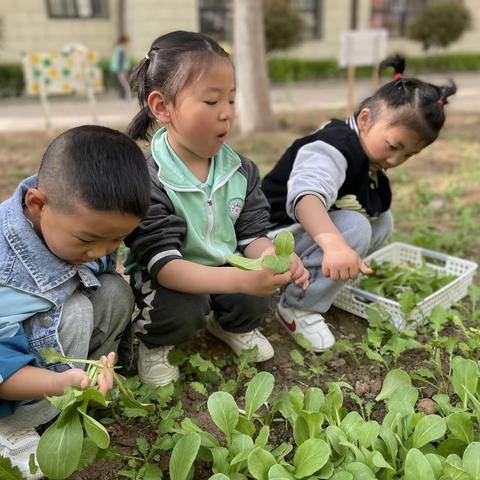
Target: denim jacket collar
[[47, 270]]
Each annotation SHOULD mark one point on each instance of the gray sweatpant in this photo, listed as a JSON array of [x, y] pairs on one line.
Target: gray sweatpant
[[89, 328], [361, 234]]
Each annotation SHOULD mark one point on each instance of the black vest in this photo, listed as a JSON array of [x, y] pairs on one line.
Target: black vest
[[374, 198]]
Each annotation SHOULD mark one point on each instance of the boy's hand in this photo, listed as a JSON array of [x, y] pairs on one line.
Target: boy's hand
[[73, 377], [78, 378], [340, 262], [300, 274], [105, 378]]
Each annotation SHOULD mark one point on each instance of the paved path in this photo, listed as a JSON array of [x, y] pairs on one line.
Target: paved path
[[25, 114]]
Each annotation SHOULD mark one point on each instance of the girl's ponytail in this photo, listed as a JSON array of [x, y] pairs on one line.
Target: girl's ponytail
[[446, 91], [397, 62], [140, 125], [143, 120]]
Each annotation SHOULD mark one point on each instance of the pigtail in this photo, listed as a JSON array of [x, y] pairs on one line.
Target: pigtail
[[397, 62], [446, 91], [143, 120]]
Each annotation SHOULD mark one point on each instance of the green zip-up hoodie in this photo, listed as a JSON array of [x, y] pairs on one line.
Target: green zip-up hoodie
[[200, 222]]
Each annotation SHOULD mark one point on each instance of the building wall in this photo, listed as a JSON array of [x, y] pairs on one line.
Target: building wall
[[148, 19], [25, 26], [336, 18]]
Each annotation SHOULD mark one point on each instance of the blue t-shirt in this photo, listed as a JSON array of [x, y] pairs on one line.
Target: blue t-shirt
[[17, 306]]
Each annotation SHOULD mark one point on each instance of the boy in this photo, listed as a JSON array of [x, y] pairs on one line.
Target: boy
[[58, 285]]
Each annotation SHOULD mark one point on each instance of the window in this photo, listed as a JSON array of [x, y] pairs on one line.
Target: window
[[395, 15], [310, 12], [216, 19], [77, 8]]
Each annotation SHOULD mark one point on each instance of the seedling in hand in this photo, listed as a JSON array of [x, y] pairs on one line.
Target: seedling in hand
[[279, 263]]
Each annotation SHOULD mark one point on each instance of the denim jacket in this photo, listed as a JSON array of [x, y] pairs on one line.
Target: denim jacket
[[28, 265]]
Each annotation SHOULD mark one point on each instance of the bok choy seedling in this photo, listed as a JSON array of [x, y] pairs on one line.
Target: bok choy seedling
[[283, 243], [62, 445]]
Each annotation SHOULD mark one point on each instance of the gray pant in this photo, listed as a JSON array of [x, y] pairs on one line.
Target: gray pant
[[361, 234], [89, 328]]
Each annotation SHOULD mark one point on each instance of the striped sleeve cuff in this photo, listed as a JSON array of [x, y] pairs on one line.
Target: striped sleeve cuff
[[160, 259]]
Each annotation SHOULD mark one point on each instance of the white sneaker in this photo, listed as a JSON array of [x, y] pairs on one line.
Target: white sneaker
[[239, 342], [154, 367], [18, 446], [310, 324]]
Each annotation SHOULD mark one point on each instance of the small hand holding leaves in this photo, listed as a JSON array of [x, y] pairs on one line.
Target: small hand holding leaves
[[60, 447], [279, 262]]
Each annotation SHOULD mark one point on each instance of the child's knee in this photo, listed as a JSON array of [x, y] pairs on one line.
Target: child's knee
[[356, 229], [114, 290]]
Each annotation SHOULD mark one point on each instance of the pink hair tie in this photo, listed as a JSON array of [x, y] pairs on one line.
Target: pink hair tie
[[441, 101], [397, 76]]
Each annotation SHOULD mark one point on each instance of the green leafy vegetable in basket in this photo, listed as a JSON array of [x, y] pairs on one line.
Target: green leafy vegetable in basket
[[283, 243], [404, 282]]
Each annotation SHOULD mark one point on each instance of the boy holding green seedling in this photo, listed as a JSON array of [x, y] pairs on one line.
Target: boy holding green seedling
[[58, 284]]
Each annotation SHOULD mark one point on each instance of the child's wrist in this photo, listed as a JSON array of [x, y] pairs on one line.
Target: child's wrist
[[329, 240]]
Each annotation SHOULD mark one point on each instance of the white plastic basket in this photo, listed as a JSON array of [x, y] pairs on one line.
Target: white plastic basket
[[357, 301]]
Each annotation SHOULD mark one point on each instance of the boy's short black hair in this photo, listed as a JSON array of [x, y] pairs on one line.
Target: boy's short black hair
[[98, 167]]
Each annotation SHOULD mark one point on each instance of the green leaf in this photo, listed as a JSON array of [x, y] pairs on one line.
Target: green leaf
[[245, 426], [277, 472], [428, 429], [262, 438], [277, 264], [8, 471], [417, 466], [436, 462], [95, 431], [89, 453], [394, 380], [471, 460], [461, 426], [152, 472], [360, 471], [199, 388], [50, 355], [380, 462], [284, 244], [314, 399], [455, 472], [220, 459], [245, 263], [60, 446], [342, 476], [259, 463], [310, 456], [297, 357], [219, 476], [183, 456], [368, 433], [335, 436], [258, 392], [350, 424], [224, 411], [387, 435], [465, 375]]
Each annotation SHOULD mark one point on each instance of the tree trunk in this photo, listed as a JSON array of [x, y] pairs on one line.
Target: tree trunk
[[253, 96]]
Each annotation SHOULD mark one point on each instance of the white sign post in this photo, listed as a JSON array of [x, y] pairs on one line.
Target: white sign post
[[361, 48]]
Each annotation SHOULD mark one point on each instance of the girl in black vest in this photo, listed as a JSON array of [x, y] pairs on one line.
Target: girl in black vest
[[333, 185]]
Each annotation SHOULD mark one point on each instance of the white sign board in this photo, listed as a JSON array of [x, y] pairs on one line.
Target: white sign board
[[362, 47]]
